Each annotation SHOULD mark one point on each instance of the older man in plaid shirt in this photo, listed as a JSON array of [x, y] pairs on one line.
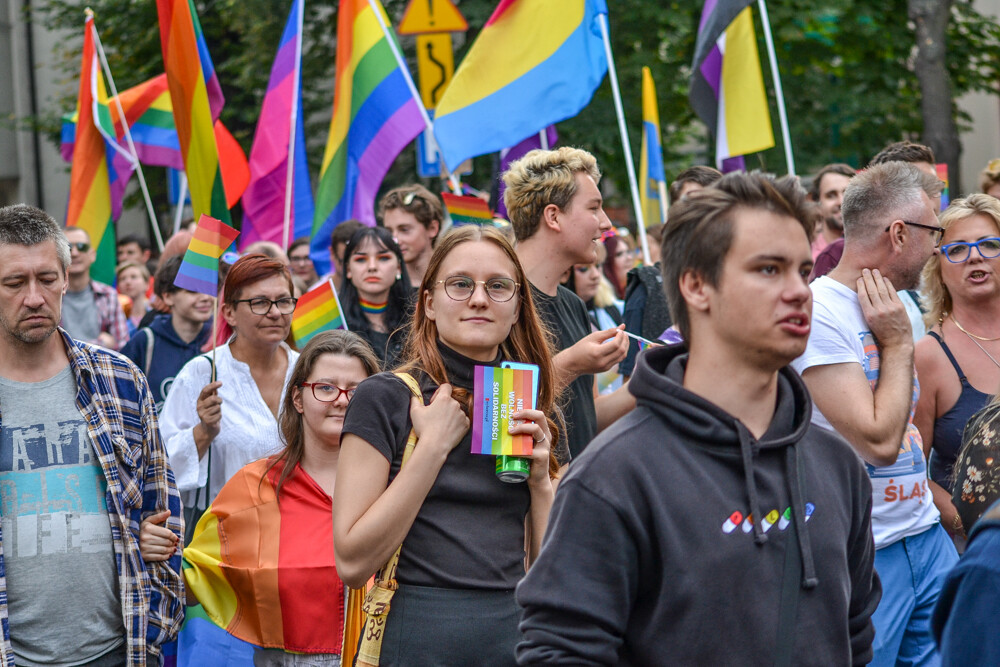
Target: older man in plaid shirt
[[81, 465]]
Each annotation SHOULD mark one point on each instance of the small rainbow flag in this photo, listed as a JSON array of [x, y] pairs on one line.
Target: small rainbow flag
[[199, 270], [467, 210], [318, 310], [942, 174], [497, 392]]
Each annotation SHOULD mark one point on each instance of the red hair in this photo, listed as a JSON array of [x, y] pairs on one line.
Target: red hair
[[251, 269]]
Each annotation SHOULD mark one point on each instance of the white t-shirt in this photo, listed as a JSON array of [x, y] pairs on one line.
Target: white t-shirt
[[902, 505]]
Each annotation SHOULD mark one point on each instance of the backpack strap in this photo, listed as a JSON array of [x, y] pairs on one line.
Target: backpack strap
[[149, 350]]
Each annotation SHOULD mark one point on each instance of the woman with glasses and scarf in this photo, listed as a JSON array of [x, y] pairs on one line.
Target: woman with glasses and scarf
[[466, 535], [219, 419], [958, 361]]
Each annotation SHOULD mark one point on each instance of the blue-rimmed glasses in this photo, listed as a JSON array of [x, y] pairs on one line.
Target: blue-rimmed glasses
[[961, 251]]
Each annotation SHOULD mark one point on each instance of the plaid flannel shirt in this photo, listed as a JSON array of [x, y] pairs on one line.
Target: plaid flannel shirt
[[110, 316], [118, 408]]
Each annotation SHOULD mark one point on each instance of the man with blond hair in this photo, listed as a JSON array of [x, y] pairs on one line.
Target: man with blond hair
[[555, 208]]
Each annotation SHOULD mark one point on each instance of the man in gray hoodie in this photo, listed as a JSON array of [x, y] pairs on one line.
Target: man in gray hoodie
[[714, 524]]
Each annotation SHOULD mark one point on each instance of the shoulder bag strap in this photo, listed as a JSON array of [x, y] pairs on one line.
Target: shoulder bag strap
[[149, 350]]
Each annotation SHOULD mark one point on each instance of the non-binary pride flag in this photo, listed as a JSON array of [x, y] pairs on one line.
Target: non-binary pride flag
[[651, 156], [199, 271], [535, 63], [318, 310], [374, 118], [192, 80], [727, 87], [264, 199], [467, 210], [101, 168]]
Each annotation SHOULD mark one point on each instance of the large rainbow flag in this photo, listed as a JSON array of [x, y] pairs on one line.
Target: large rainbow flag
[[192, 82], [536, 62], [651, 172], [264, 200], [100, 168], [727, 86], [375, 116]]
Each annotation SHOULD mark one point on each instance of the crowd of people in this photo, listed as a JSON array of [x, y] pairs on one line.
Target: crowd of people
[[805, 470]]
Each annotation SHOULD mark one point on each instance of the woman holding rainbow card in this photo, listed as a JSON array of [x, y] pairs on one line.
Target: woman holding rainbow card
[[463, 531]]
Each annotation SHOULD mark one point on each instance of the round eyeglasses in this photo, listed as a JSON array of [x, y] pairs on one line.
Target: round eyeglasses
[[328, 393], [261, 306], [961, 251], [461, 288]]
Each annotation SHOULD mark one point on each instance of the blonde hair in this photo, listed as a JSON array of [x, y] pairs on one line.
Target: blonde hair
[[143, 271], [989, 176], [540, 178], [934, 295]]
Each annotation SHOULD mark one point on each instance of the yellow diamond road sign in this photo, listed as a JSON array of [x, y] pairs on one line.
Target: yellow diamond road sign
[[426, 16]]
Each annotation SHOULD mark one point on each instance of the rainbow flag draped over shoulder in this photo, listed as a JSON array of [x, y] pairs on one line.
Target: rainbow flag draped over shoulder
[[374, 118], [536, 62], [651, 156], [101, 169], [193, 84], [727, 86], [266, 573], [318, 310], [199, 270]]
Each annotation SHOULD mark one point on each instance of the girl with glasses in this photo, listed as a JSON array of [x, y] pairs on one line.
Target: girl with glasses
[[212, 427], [376, 292], [466, 536], [958, 362], [274, 516]]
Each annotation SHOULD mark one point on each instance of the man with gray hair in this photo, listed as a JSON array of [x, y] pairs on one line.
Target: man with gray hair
[[81, 466], [858, 367]]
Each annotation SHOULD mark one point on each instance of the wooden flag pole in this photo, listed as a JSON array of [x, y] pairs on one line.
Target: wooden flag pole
[[602, 19], [290, 169], [778, 94]]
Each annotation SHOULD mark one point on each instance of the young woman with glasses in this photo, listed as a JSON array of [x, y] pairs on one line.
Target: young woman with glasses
[[463, 532], [958, 361], [274, 516], [376, 292], [224, 424]]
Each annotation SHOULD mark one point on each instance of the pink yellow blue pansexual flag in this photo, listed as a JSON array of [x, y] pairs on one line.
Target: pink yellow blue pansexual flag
[[199, 271], [535, 63], [318, 310]]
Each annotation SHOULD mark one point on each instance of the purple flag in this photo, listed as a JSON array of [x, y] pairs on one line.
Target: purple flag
[[515, 153]]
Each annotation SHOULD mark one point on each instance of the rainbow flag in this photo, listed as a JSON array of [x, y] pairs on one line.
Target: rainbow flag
[[199, 271], [101, 168], [264, 200], [318, 310], [942, 174], [467, 210], [191, 79], [727, 86], [253, 564], [651, 156], [535, 63], [375, 116]]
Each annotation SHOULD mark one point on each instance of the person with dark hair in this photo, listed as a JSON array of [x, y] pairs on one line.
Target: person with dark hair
[[691, 180], [376, 292], [414, 216], [466, 535], [715, 503], [827, 192], [171, 340], [290, 493], [91, 310], [81, 466], [133, 248], [300, 262], [618, 261], [859, 369], [222, 414], [916, 154]]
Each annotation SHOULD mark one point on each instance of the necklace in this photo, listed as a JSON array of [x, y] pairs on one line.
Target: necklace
[[973, 339], [372, 308], [969, 334]]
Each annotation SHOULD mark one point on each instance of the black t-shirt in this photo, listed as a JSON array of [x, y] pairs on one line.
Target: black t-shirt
[[469, 532], [566, 316]]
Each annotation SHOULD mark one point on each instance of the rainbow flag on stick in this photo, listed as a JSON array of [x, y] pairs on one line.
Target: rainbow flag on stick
[[318, 310], [199, 271], [466, 210]]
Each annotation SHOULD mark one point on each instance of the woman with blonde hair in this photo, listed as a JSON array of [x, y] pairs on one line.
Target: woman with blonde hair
[[958, 361]]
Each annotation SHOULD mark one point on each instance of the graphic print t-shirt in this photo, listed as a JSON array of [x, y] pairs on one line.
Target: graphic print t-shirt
[[62, 582], [901, 502]]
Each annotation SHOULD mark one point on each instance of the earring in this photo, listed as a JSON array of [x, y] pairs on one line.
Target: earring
[[399, 276]]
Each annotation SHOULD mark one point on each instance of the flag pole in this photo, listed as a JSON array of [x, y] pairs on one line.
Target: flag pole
[[290, 169], [663, 201], [182, 195], [602, 19], [215, 330], [543, 138], [153, 221], [456, 188], [782, 116]]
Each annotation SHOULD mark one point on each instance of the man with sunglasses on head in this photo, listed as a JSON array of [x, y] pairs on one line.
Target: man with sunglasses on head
[[858, 367], [413, 215], [91, 310]]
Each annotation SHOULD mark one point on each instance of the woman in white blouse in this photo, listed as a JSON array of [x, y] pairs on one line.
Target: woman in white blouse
[[223, 425]]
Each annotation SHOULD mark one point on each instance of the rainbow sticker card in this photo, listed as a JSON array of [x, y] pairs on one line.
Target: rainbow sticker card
[[497, 393]]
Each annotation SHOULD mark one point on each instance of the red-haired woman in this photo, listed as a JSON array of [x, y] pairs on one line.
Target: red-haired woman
[[463, 531], [223, 425]]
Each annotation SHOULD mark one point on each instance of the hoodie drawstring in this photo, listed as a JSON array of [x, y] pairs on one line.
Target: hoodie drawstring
[[809, 579], [747, 451]]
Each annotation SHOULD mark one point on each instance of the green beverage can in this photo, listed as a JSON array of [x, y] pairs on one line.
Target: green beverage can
[[513, 469]]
